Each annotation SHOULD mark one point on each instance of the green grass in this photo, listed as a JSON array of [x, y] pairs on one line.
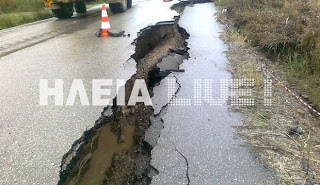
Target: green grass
[[14, 19], [17, 12], [289, 31], [9, 6]]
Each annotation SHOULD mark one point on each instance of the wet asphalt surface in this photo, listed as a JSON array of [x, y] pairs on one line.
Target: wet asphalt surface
[[34, 138], [197, 144], [199, 140]]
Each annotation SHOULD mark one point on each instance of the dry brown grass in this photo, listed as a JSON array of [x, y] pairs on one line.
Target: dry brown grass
[[295, 159], [289, 30]]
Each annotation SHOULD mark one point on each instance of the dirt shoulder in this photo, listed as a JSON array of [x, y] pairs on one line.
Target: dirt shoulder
[[285, 135]]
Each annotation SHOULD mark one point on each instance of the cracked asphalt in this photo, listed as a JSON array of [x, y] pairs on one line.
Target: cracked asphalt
[[197, 144], [34, 138]]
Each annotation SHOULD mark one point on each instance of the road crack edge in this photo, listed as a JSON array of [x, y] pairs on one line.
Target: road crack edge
[[187, 163]]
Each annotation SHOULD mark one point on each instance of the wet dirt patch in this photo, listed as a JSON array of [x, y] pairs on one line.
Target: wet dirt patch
[[100, 159], [71, 159], [115, 152]]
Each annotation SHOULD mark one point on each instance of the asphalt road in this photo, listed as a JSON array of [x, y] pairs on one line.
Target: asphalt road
[[198, 144], [34, 138]]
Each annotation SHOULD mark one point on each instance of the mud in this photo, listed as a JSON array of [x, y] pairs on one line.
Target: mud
[[114, 152], [71, 159], [133, 166]]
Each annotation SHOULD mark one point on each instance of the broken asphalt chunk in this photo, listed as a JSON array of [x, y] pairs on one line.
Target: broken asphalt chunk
[[113, 33], [180, 51], [155, 75], [175, 70]]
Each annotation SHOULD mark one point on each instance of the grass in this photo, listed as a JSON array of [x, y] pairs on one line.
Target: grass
[[14, 19], [9, 6], [266, 128], [17, 12], [293, 158], [289, 31]]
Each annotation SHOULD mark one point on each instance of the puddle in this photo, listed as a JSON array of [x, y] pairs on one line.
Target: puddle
[[101, 158]]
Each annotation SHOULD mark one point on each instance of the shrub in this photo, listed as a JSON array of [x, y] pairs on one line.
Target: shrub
[[287, 29]]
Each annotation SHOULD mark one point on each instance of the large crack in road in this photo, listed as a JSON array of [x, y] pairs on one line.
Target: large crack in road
[[92, 159], [76, 54], [138, 144], [152, 145]]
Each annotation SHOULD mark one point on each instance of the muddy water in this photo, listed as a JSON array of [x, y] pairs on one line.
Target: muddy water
[[102, 157]]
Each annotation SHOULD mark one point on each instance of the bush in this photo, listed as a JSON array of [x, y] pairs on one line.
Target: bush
[[287, 29]]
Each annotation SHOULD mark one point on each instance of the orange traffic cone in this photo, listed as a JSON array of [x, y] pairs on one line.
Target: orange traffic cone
[[105, 25]]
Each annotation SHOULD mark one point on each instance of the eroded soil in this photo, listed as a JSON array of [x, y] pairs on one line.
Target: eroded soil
[[115, 152]]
